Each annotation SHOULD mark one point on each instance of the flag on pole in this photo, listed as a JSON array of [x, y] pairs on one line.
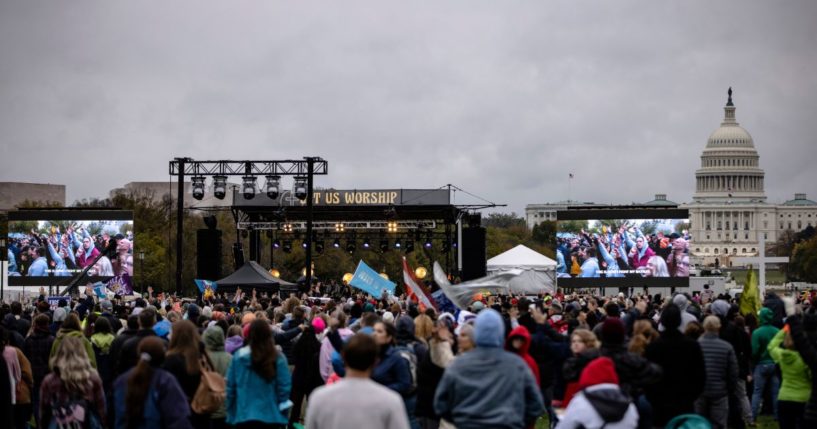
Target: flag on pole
[[369, 281], [750, 298], [414, 286]]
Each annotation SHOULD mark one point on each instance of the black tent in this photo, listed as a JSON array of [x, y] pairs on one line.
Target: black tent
[[253, 276]]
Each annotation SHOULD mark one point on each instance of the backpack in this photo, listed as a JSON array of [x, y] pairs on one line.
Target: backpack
[[73, 414], [407, 353], [212, 390]]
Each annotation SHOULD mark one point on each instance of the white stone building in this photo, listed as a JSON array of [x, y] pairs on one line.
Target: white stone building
[[729, 211]]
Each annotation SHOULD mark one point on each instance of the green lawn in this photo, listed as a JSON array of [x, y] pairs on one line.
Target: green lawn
[[773, 277]]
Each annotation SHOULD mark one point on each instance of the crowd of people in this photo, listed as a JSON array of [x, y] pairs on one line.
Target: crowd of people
[[54, 251], [622, 251], [334, 358]]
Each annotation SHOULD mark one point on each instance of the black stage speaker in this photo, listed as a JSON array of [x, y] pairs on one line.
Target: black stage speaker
[[208, 254], [238, 255], [473, 253]]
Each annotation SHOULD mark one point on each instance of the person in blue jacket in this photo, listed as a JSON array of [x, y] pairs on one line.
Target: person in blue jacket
[[392, 370], [147, 396], [258, 382], [488, 386]]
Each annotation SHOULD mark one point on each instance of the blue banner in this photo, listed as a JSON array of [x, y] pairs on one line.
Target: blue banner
[[369, 281], [100, 290], [203, 284]]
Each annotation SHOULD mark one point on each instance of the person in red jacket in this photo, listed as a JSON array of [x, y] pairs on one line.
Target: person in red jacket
[[518, 342]]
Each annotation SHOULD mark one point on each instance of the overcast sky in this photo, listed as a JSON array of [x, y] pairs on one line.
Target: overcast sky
[[501, 98]]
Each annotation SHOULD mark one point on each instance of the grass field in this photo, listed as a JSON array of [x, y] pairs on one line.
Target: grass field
[[773, 277], [764, 422]]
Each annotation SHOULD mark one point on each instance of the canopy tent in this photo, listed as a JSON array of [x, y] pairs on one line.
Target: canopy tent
[[463, 294], [253, 276], [535, 272]]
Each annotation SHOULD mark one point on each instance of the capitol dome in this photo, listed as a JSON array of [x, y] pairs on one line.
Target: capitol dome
[[730, 165], [730, 134]]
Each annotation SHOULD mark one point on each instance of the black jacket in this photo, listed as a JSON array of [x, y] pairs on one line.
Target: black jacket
[[634, 372], [683, 379]]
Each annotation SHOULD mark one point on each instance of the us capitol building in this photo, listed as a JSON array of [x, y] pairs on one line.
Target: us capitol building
[[728, 213]]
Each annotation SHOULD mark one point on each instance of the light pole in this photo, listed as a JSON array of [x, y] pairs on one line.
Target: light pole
[[142, 272], [3, 253]]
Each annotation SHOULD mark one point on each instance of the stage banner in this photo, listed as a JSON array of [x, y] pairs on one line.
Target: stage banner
[[369, 281], [205, 284]]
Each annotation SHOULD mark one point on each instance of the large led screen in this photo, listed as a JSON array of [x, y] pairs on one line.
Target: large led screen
[[623, 248], [51, 248]]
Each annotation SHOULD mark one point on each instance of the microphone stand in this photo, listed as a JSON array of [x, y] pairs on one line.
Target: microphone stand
[[108, 251]]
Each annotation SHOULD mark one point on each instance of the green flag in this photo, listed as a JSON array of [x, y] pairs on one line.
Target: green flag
[[750, 299]]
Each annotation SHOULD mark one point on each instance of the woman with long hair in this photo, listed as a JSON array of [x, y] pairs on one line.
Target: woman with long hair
[[258, 381], [73, 383], [183, 360], [147, 396], [391, 370], [643, 335]]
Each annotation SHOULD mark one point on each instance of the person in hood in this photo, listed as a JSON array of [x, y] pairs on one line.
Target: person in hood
[[803, 328], [765, 371], [235, 340], [71, 328], [101, 341], [306, 376], [518, 342], [796, 388], [682, 303], [213, 338], [488, 386], [600, 402]]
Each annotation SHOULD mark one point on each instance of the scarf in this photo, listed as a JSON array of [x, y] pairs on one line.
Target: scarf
[[13, 364]]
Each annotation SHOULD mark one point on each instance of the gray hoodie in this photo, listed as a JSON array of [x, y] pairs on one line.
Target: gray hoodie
[[683, 303]]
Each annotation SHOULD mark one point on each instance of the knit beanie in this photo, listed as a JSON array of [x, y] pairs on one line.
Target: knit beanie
[[600, 371], [612, 331]]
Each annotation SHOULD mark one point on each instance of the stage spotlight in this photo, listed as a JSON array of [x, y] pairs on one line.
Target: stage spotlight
[[319, 246], [303, 244], [409, 246], [454, 244], [287, 246], [398, 244], [276, 244], [300, 187], [384, 245], [220, 186], [336, 243], [273, 186], [351, 246], [428, 243], [248, 187], [198, 187], [366, 244]]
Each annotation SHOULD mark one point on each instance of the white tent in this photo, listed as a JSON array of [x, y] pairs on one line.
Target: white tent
[[538, 272]]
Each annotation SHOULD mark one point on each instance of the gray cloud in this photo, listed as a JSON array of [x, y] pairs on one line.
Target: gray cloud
[[501, 99]]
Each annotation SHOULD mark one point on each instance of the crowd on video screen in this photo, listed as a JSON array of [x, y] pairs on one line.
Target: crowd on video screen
[[66, 248], [626, 248]]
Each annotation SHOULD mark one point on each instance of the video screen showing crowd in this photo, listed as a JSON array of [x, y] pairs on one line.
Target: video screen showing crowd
[[623, 248], [64, 248]]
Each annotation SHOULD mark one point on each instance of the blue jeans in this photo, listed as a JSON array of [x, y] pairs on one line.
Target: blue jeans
[[764, 372]]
